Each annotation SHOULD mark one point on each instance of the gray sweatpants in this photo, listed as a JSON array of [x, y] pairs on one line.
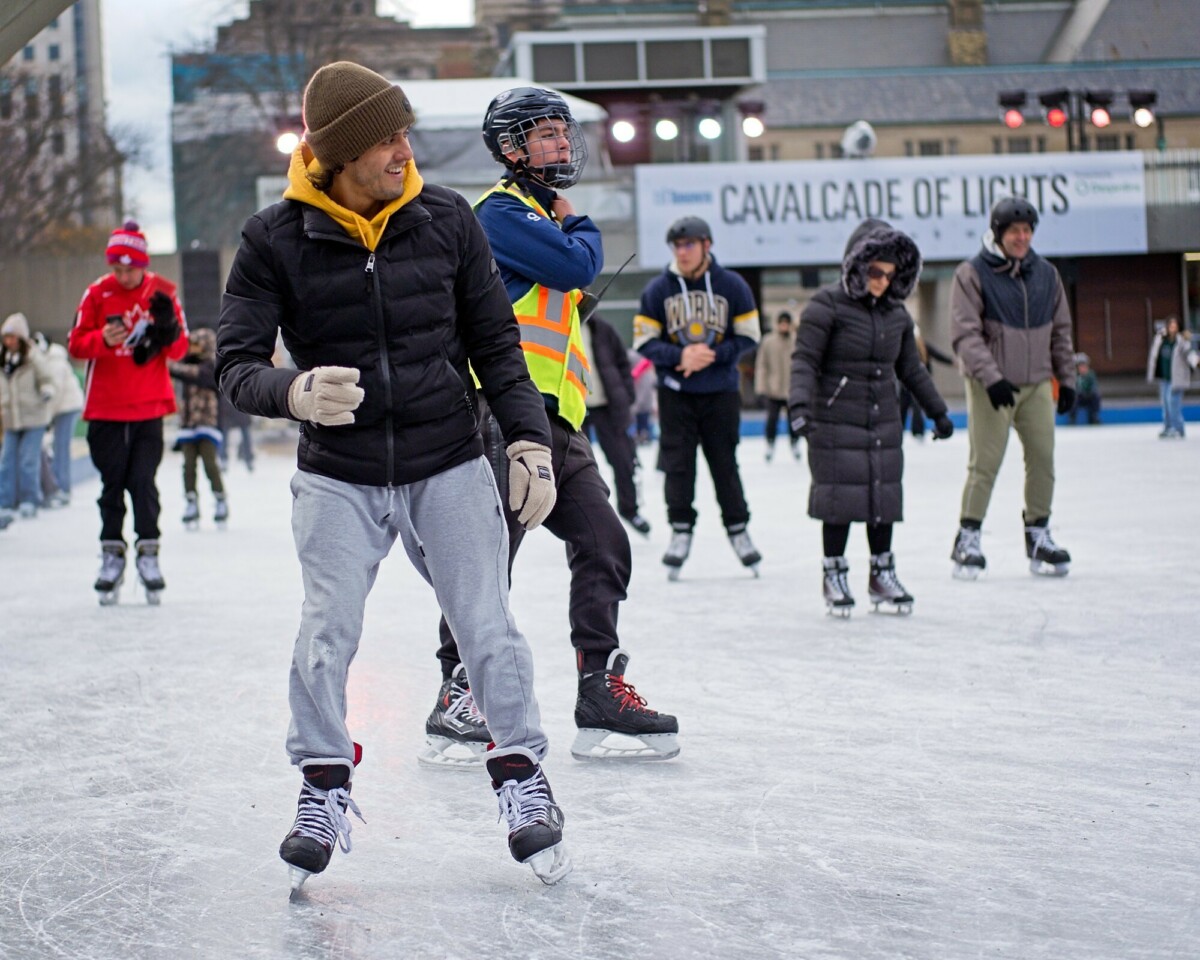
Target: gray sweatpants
[[452, 528]]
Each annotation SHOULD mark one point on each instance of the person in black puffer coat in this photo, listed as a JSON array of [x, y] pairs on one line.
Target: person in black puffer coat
[[855, 340]]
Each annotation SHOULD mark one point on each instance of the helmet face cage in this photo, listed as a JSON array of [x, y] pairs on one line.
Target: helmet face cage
[[514, 115]]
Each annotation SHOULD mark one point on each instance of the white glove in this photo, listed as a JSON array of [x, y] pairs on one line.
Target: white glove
[[325, 395], [531, 492]]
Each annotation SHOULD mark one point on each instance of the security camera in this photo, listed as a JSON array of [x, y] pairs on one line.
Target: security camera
[[859, 140]]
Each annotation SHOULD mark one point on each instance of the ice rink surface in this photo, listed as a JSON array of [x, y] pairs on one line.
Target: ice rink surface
[[1011, 772]]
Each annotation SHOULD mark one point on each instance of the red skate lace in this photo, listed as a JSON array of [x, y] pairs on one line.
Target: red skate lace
[[627, 695]]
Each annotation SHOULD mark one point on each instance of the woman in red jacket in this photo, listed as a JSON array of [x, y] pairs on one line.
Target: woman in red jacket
[[128, 326]]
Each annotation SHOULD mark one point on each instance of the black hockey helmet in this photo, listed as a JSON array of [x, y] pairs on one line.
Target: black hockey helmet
[[513, 114], [688, 228], [1009, 210]]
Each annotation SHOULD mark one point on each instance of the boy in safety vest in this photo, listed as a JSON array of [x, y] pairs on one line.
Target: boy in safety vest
[[546, 253]]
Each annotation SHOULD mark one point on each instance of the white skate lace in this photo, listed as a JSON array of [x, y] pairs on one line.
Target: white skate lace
[[1042, 541], [526, 802], [969, 542], [888, 579], [147, 566], [681, 544], [321, 816], [742, 545], [462, 706], [112, 565]]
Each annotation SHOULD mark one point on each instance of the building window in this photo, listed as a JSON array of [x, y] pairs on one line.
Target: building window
[[54, 95], [754, 153], [53, 52], [929, 148], [1041, 144], [1020, 145], [58, 143], [610, 61], [674, 60], [952, 146], [27, 54], [32, 108], [908, 148], [1108, 141], [819, 151], [997, 145], [773, 150], [5, 98], [731, 58], [836, 152], [554, 62]]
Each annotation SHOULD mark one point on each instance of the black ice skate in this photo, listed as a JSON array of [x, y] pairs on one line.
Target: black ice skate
[[191, 513], [743, 546], [220, 511], [321, 819], [456, 734], [885, 587], [967, 554], [112, 571], [615, 723], [639, 523], [1045, 556], [836, 587], [677, 550], [148, 571], [535, 821], [796, 454]]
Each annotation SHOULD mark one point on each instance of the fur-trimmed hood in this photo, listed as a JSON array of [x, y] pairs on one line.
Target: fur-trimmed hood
[[878, 240]]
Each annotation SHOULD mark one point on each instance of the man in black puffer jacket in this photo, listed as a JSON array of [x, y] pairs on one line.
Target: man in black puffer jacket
[[384, 290]]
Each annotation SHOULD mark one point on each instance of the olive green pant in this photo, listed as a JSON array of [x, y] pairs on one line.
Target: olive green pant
[[1032, 417]]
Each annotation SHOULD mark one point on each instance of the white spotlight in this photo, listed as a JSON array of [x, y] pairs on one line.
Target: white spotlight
[[710, 128], [753, 127], [666, 129], [623, 131], [287, 142]]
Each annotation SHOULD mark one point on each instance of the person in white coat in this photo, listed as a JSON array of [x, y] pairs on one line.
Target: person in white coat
[[64, 414], [1170, 363], [26, 390]]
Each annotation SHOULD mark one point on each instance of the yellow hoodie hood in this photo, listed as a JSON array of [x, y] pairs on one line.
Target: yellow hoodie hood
[[368, 231]]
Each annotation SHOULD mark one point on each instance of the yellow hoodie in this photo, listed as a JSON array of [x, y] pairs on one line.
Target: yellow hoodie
[[368, 231]]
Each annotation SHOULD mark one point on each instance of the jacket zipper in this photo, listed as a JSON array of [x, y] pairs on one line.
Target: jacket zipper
[[376, 298]]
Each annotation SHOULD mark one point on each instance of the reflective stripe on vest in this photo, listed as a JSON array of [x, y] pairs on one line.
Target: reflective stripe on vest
[[550, 337]]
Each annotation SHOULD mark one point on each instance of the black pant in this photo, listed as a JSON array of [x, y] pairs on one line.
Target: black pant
[[127, 454], [1088, 403], [771, 426], [598, 552], [835, 536], [712, 422], [619, 450]]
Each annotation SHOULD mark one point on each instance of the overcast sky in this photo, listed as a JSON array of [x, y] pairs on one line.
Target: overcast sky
[[139, 36]]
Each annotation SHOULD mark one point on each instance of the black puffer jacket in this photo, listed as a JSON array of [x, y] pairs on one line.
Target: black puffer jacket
[[610, 362], [850, 349], [409, 316]]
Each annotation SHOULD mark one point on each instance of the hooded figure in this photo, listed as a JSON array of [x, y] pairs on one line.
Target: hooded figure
[[855, 341]]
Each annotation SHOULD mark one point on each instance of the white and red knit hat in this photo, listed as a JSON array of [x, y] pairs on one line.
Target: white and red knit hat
[[127, 245]]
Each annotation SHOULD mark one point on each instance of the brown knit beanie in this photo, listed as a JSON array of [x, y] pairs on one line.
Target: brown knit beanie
[[348, 109]]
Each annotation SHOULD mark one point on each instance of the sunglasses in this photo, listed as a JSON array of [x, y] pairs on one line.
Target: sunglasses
[[878, 273]]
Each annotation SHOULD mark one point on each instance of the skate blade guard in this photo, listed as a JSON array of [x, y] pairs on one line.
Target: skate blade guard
[[551, 864], [592, 743], [451, 754]]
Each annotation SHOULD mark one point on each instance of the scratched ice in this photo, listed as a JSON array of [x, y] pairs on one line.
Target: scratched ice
[[1009, 773]]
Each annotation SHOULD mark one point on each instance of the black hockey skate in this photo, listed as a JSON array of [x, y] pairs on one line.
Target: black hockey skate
[[535, 821], [836, 587], [456, 734], [743, 546], [614, 721], [220, 511], [639, 523], [885, 587], [1046, 557], [969, 561], [148, 571], [112, 571], [321, 820], [677, 550], [191, 513]]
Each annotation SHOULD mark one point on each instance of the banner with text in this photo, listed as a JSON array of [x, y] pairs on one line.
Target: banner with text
[[774, 214]]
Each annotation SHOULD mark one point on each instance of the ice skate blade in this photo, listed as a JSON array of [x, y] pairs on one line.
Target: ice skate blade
[[550, 865], [842, 612], [592, 743], [673, 573], [753, 568], [451, 754], [192, 525], [297, 876], [963, 572], [108, 598], [153, 597], [1044, 569], [897, 609]]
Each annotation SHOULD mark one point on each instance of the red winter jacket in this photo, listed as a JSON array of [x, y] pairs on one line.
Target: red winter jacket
[[117, 388]]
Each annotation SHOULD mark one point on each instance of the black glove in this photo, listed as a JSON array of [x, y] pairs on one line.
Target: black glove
[[943, 429], [801, 424], [166, 324], [1002, 394], [1066, 399]]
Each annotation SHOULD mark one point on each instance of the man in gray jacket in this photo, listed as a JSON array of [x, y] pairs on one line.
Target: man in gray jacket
[[1011, 329]]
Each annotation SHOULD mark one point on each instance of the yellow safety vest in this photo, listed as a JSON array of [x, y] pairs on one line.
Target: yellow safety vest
[[550, 337]]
